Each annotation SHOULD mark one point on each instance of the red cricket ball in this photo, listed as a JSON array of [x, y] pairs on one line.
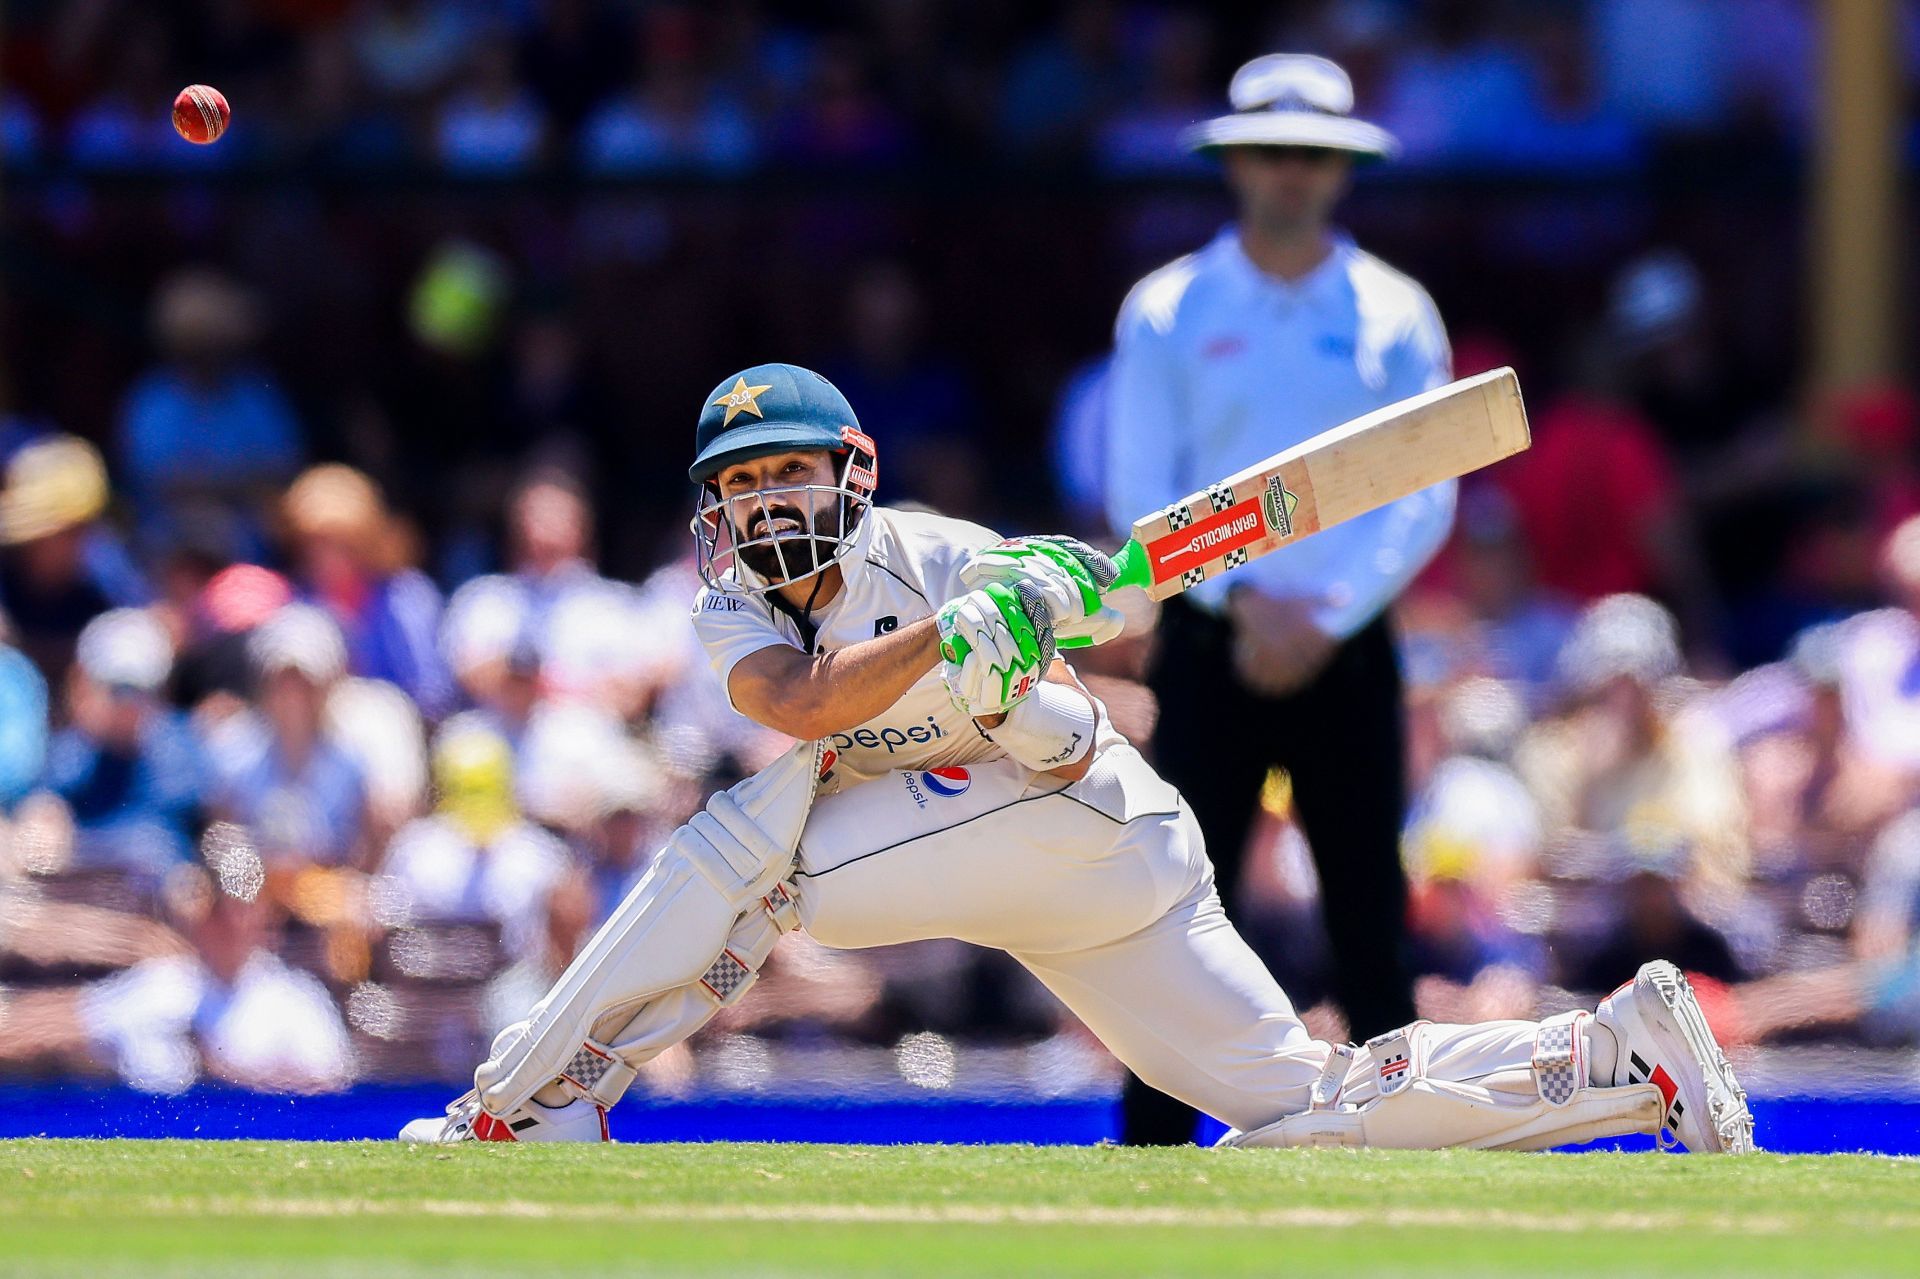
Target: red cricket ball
[[200, 114]]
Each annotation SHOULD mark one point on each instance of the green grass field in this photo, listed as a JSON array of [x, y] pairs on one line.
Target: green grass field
[[134, 1208]]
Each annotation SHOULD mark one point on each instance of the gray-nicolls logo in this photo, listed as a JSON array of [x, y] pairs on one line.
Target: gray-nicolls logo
[[886, 625]]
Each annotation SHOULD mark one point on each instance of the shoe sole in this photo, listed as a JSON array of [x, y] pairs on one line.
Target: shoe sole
[[1729, 1119]]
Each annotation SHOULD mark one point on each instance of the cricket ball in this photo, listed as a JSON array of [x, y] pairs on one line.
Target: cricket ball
[[200, 114]]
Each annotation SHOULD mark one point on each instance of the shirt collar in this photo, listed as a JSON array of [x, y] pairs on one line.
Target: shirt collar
[[853, 566], [1321, 283]]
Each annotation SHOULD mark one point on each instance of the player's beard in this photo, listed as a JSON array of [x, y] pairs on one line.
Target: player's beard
[[807, 545]]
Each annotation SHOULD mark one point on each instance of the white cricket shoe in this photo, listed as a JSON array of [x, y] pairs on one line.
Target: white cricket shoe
[[465, 1121], [1664, 1039]]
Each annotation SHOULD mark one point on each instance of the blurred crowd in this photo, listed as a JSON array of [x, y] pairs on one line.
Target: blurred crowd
[[629, 87], [347, 680]]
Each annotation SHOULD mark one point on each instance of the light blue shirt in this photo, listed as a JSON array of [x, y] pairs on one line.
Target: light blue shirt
[[1218, 365]]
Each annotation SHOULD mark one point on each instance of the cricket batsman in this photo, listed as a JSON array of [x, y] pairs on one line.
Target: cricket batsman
[[956, 780]]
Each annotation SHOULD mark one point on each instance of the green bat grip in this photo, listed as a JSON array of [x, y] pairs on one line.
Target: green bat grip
[[1130, 559]]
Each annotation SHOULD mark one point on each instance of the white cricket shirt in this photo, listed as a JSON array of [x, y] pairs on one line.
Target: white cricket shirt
[[1218, 365], [903, 566]]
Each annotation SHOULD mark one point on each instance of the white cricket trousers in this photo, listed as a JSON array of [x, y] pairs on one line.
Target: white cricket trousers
[[1102, 889]]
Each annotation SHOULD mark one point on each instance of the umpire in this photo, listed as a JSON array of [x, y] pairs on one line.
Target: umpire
[[1275, 331]]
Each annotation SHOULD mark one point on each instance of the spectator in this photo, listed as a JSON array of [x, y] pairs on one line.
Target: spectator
[[380, 729], [1814, 797], [1663, 63], [1455, 932], [1473, 817], [408, 48], [572, 53], [1676, 368], [59, 567], [1878, 428], [931, 416], [1064, 81], [1458, 93], [1878, 656], [1143, 138], [491, 125], [617, 846], [1620, 764], [551, 612], [298, 792], [475, 859], [338, 121], [841, 121], [350, 559], [564, 760], [213, 629], [23, 725], [1597, 499], [699, 735], [232, 1009], [1518, 627], [1654, 922], [127, 767], [19, 131], [207, 425], [1886, 925], [669, 118]]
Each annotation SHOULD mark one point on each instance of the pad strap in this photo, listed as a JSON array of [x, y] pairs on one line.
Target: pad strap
[[1393, 1052], [1560, 1057], [1333, 1078], [1051, 727], [601, 1073]]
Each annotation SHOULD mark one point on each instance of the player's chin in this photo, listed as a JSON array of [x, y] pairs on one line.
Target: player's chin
[[768, 564]]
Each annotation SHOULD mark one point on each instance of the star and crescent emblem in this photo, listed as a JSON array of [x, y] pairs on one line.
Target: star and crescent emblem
[[740, 400]]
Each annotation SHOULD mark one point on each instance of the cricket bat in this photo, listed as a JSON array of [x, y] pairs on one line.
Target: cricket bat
[[1338, 474]]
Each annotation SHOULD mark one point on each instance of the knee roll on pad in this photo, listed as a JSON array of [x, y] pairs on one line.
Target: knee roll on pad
[[1415, 1112], [710, 907]]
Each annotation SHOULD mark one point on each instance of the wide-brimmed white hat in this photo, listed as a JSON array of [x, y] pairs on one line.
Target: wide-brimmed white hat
[[1292, 100]]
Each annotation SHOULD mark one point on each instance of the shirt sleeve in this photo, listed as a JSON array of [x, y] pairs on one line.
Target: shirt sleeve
[[1421, 358], [731, 627], [1146, 418]]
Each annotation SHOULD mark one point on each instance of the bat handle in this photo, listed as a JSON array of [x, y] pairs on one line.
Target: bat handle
[[1131, 560]]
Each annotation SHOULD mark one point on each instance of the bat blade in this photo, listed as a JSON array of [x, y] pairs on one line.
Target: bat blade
[[1341, 473]]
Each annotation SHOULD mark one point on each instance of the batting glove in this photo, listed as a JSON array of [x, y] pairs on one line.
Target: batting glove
[[1069, 575], [995, 646]]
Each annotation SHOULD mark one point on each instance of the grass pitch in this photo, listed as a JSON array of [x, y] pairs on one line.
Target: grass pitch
[[152, 1209]]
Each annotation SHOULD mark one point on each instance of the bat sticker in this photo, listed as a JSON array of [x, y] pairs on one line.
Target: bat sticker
[[1279, 504], [1205, 540]]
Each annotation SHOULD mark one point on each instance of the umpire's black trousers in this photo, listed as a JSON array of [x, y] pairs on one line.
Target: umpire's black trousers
[[1342, 740]]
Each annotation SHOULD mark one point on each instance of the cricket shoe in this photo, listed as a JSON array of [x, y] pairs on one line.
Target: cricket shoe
[[465, 1121], [1664, 1040]]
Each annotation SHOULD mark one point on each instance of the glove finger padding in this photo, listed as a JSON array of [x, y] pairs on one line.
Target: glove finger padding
[[1098, 628], [1098, 563], [997, 643], [1066, 584], [1069, 576], [973, 624]]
